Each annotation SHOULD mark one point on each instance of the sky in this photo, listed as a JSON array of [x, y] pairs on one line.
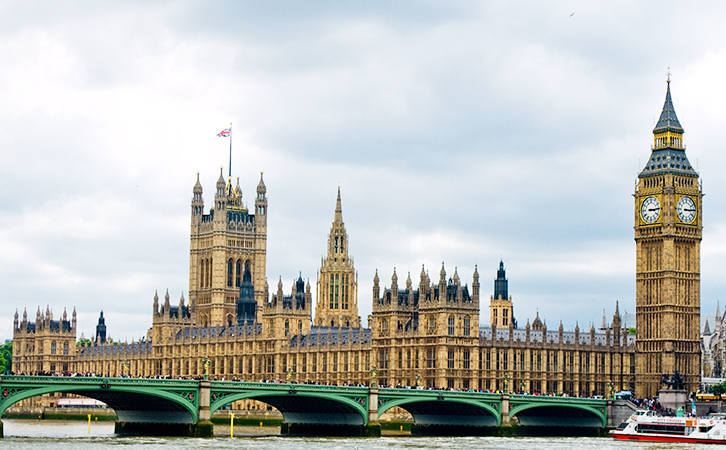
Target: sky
[[459, 132]]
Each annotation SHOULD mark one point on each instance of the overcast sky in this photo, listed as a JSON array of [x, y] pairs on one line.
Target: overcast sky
[[461, 132]]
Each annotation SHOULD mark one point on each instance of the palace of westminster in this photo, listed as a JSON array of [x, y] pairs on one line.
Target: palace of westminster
[[428, 335]]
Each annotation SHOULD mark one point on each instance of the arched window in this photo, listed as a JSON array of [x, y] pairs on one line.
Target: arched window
[[467, 326], [384, 327], [287, 327], [229, 272], [52, 348], [238, 273], [65, 348], [452, 321]]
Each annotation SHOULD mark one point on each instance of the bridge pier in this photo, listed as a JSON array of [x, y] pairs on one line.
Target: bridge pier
[[373, 427], [204, 426]]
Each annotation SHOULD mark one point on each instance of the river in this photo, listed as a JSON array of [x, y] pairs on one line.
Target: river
[[73, 435]]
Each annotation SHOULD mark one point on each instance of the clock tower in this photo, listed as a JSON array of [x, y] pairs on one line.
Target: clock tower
[[668, 229]]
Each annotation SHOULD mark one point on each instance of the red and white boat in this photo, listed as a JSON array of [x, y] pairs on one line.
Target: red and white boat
[[647, 426]]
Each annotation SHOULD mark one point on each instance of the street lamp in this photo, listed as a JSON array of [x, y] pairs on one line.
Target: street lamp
[[125, 366], [289, 374], [611, 389], [418, 380], [374, 376], [205, 364], [506, 382]]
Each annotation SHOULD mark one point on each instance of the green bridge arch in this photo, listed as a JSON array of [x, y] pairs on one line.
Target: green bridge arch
[[593, 408], [124, 395], [443, 407], [329, 405]]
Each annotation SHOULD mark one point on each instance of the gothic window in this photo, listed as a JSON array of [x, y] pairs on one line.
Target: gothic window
[[467, 359], [52, 348], [332, 291], [384, 327], [451, 359], [467, 325], [408, 359], [65, 348], [336, 245], [400, 359], [432, 325], [344, 289], [299, 326], [337, 287], [238, 273], [229, 273], [452, 321], [431, 358], [287, 327]]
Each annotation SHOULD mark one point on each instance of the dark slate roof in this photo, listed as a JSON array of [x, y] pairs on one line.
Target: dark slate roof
[[668, 120], [668, 160]]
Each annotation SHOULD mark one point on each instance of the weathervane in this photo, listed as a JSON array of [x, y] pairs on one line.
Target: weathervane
[[668, 75]]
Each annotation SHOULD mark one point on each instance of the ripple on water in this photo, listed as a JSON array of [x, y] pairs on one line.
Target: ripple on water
[[61, 435]]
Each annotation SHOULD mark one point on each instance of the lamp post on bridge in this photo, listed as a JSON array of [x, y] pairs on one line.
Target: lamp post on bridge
[[418, 380], [289, 374], [125, 366], [205, 364], [506, 382]]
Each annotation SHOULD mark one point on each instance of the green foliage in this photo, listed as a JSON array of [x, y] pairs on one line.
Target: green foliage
[[6, 357], [84, 342], [719, 388], [631, 330]]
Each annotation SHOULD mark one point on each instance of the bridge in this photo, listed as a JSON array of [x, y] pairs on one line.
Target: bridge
[[184, 407]]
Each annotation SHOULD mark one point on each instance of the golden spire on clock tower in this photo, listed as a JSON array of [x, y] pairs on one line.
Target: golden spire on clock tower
[[668, 237]]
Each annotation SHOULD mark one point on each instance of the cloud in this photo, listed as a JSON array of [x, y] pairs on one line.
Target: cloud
[[459, 132]]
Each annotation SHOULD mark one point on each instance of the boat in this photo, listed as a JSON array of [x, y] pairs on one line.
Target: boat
[[648, 426]]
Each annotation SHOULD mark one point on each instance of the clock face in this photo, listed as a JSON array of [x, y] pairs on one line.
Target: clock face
[[650, 210], [686, 209]]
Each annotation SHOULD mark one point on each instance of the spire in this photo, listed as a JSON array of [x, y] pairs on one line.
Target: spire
[[197, 186], [669, 151], [338, 209], [668, 120], [604, 323], [501, 285], [706, 329]]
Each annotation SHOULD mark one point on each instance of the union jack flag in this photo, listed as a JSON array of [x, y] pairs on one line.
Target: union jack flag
[[225, 132]]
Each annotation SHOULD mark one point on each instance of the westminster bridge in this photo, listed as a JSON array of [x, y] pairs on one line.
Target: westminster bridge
[[185, 407]]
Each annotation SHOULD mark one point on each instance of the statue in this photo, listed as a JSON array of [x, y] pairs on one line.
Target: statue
[[673, 382]]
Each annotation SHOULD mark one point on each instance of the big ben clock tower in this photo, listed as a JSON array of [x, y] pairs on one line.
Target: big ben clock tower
[[668, 226]]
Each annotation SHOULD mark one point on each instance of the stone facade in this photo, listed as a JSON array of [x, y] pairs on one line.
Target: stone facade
[[668, 237], [45, 345], [428, 335]]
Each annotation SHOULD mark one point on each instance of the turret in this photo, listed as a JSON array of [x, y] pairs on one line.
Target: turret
[[101, 330], [394, 287], [197, 202], [475, 287], [16, 321], [73, 318], [156, 303], [376, 288], [442, 284], [261, 202], [167, 304], [220, 199]]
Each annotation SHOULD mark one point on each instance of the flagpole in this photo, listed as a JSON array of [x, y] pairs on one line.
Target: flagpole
[[230, 150]]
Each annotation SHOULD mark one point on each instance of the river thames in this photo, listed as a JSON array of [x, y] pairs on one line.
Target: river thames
[[41, 435]]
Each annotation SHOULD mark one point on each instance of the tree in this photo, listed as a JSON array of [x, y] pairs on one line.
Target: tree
[[6, 357]]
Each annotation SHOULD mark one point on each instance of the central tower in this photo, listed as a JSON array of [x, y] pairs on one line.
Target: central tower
[[337, 293], [227, 245], [668, 263]]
